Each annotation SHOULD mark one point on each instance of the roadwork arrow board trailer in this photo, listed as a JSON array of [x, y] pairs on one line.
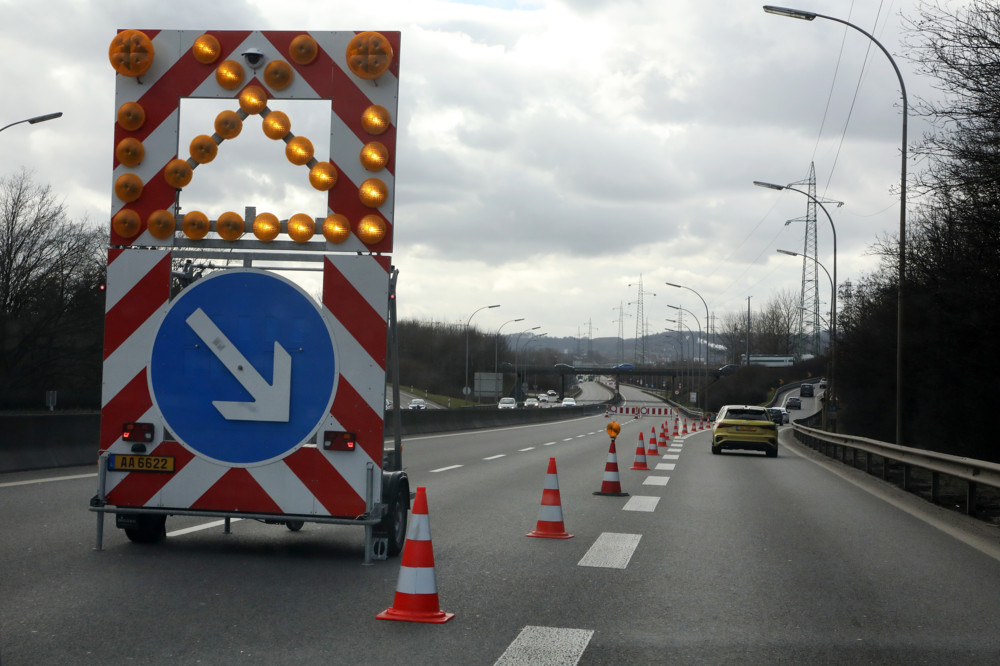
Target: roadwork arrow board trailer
[[240, 396]]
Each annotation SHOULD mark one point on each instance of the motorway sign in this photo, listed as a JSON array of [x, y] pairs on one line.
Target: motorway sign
[[243, 367]]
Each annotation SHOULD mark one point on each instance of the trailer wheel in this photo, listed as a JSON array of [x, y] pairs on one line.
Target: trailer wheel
[[393, 525], [151, 529], [294, 525]]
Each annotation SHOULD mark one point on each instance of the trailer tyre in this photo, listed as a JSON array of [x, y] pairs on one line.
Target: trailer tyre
[[393, 525], [295, 525], [151, 529]]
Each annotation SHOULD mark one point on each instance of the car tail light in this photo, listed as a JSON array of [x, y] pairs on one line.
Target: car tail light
[[339, 441]]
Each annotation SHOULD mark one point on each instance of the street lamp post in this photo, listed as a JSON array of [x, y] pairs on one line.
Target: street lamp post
[[517, 341], [36, 119], [533, 338], [900, 293], [705, 374], [707, 317], [496, 351], [833, 296], [466, 390], [833, 316]]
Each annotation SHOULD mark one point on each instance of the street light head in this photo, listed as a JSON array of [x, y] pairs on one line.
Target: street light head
[[493, 306], [671, 284], [674, 307], [790, 13], [42, 119], [789, 253], [770, 186]]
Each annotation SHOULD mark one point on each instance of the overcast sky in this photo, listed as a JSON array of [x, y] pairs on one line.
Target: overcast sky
[[550, 152]]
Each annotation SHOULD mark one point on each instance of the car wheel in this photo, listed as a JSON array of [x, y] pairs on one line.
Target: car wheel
[[772, 453], [716, 450], [294, 525]]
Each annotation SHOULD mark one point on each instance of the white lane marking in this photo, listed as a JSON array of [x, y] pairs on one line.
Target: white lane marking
[[668, 456], [666, 466], [641, 503], [656, 481], [206, 526], [568, 439], [445, 469], [467, 433], [611, 551], [673, 450], [10, 484], [501, 455], [530, 448], [548, 443], [579, 436], [546, 645]]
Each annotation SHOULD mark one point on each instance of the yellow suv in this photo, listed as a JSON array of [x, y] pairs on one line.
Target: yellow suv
[[745, 427]]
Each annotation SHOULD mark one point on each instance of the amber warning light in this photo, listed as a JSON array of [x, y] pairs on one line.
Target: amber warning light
[[339, 441]]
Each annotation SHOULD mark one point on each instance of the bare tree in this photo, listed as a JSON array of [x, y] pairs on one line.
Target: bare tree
[[51, 299]]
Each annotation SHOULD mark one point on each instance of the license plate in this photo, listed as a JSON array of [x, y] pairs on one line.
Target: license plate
[[746, 428], [129, 463]]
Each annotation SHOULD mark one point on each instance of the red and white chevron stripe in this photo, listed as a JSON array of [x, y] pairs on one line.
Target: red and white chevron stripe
[[310, 480]]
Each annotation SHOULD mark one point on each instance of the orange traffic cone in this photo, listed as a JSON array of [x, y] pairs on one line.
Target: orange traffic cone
[[675, 426], [640, 456], [664, 435], [416, 590], [550, 519], [651, 448], [684, 428], [611, 484]]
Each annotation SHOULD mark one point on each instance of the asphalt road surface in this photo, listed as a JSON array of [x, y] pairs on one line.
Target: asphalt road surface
[[709, 560]]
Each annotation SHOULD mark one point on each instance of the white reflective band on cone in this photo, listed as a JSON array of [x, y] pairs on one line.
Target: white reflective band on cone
[[416, 580], [419, 528], [550, 514]]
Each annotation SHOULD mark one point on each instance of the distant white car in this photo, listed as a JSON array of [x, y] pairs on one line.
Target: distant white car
[[543, 397], [507, 403], [418, 403], [568, 402], [531, 402]]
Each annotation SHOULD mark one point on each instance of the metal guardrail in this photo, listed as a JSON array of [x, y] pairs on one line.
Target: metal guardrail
[[974, 472]]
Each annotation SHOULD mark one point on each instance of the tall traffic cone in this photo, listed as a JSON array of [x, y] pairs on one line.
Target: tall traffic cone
[[640, 456], [550, 518], [665, 435], [651, 449], [684, 428], [675, 426], [612, 484], [416, 590]]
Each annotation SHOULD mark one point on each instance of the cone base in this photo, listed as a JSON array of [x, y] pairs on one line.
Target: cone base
[[438, 617], [643, 468], [610, 494], [549, 535]]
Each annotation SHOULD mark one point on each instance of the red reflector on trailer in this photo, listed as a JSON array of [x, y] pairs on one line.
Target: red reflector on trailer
[[339, 441], [137, 432]]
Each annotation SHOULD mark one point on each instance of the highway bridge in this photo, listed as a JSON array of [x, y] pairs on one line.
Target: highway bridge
[[709, 559]]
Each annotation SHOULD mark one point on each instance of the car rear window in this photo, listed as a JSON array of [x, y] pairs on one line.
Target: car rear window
[[748, 414]]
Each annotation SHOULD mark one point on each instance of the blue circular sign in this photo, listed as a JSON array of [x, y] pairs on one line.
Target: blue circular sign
[[243, 367]]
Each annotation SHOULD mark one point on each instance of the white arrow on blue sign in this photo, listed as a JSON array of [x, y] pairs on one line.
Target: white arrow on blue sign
[[243, 367]]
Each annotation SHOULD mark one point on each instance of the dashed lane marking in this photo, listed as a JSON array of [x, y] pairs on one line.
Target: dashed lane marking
[[445, 469], [611, 551], [548, 443], [501, 455], [641, 503], [668, 456], [656, 481], [530, 448], [546, 645], [666, 466], [205, 526]]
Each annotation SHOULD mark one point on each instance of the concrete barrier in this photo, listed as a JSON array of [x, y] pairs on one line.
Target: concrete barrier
[[42, 441]]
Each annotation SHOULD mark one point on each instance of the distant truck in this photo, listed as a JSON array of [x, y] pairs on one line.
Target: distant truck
[[768, 361]]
